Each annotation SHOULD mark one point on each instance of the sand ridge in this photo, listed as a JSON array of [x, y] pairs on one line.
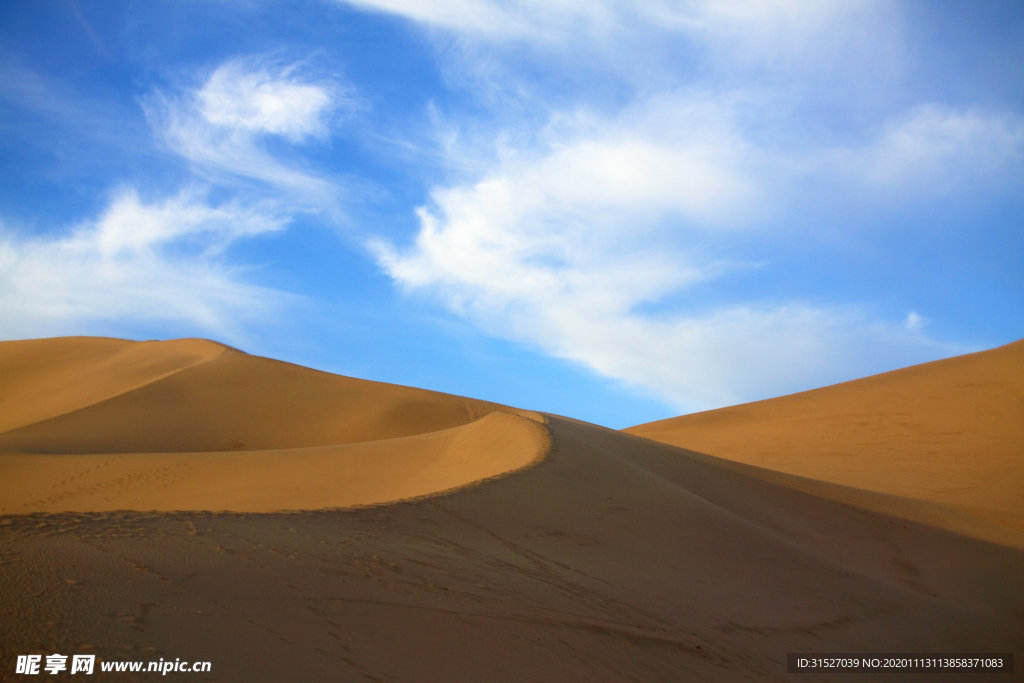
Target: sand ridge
[[315, 477], [949, 432], [44, 378], [189, 424]]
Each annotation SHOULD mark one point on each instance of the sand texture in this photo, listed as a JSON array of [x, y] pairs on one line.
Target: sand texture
[[611, 557]]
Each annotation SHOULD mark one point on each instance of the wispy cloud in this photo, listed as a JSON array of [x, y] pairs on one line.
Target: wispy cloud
[[223, 126], [138, 261], [588, 215], [257, 101], [940, 148], [569, 20], [563, 251], [165, 259]]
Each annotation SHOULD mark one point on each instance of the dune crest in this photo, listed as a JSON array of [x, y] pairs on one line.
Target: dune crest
[[44, 378], [194, 425], [316, 477], [948, 432]]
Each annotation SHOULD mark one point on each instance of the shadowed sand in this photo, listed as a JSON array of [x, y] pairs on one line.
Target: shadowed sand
[[612, 558]]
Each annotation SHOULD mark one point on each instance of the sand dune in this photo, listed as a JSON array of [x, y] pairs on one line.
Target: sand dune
[[191, 424], [222, 400], [612, 558], [271, 480], [950, 432], [44, 378]]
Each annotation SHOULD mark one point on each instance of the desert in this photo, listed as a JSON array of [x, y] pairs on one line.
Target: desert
[[184, 499], [445, 341]]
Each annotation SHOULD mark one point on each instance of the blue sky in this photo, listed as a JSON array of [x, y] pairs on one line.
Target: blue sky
[[615, 211]]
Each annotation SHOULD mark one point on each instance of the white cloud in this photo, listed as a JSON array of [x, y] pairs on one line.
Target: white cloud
[[222, 127], [546, 20], [258, 101], [845, 44], [136, 261], [589, 218], [563, 246], [564, 256], [164, 260], [728, 355], [936, 147], [587, 230], [130, 228]]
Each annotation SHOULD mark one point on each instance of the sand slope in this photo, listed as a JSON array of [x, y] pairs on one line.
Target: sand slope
[[271, 480], [191, 424], [613, 559], [224, 400], [44, 378], [951, 432]]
